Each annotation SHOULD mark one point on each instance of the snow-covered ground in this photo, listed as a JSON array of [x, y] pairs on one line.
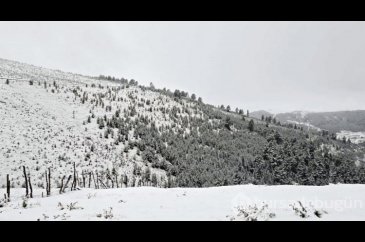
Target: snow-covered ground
[[244, 202], [355, 137]]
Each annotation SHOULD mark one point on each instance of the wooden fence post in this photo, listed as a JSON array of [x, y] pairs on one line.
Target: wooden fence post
[[49, 181], [46, 182], [26, 182], [83, 179], [61, 189], [30, 187], [8, 187], [74, 180], [68, 180], [90, 179], [95, 185]]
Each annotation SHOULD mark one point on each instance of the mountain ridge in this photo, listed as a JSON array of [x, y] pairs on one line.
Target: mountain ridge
[[333, 121]]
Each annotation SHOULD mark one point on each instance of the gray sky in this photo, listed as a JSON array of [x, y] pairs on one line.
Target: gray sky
[[276, 66]]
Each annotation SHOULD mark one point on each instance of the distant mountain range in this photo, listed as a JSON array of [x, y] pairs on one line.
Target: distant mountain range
[[332, 121]]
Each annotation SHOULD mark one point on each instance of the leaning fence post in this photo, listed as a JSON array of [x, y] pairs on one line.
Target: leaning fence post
[[61, 189], [26, 182], [31, 188], [69, 178]]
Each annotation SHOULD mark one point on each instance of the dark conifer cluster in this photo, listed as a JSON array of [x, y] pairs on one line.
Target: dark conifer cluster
[[208, 146]]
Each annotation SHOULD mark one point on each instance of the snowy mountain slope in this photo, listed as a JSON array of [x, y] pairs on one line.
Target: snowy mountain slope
[[46, 124], [238, 203], [120, 134], [18, 70]]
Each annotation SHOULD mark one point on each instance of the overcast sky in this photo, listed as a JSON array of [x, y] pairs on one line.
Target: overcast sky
[[275, 66]]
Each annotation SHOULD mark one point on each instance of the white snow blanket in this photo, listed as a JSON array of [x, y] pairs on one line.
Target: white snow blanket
[[243, 203]]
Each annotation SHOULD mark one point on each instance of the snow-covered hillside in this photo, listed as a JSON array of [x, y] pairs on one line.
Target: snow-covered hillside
[[238, 203], [50, 119]]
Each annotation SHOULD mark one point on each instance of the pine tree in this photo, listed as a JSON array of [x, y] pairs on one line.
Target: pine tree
[[177, 93], [101, 123], [228, 123], [251, 125]]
